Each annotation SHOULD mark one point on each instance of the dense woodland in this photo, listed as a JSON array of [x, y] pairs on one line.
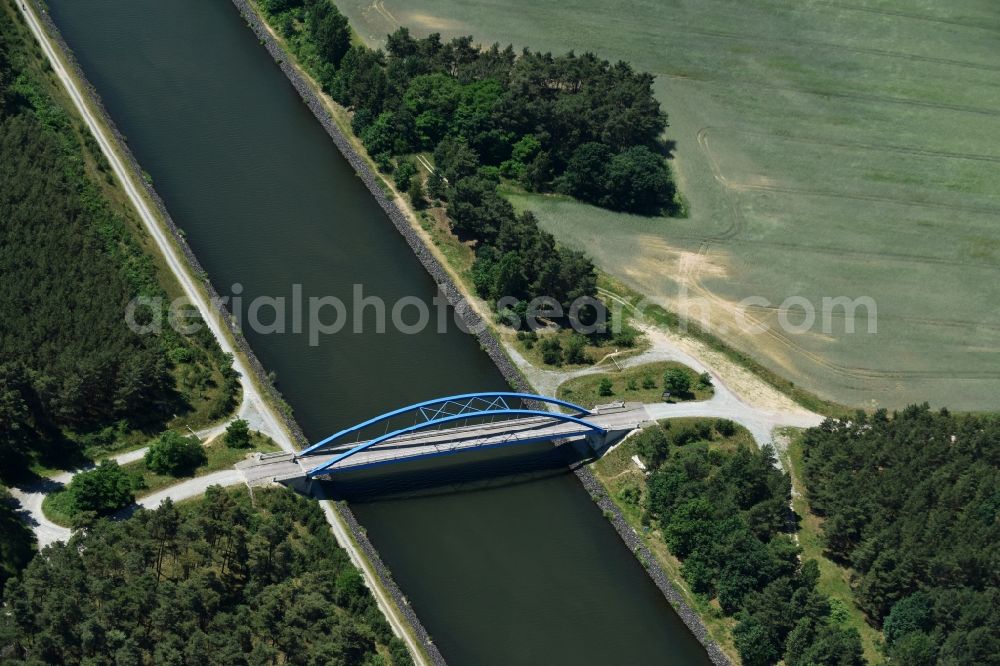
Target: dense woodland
[[572, 124], [912, 504], [724, 513], [72, 373], [17, 543], [226, 581]]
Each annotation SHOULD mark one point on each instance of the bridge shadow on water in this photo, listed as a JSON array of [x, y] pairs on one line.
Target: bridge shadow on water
[[464, 472]]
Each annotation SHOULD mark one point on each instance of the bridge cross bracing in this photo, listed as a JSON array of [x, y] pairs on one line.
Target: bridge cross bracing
[[442, 428]]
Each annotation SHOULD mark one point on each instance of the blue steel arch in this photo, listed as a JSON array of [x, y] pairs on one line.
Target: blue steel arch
[[316, 471], [430, 409]]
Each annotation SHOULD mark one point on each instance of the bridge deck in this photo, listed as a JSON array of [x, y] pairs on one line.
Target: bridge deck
[[616, 419]]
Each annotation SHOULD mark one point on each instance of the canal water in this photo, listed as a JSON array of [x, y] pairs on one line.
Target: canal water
[[511, 569]]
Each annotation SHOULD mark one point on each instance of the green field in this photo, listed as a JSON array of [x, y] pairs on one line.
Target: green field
[[824, 148]]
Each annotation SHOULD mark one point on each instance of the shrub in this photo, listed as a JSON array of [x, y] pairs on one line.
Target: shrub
[[102, 491], [179, 355], [404, 175], [238, 435], [552, 351], [626, 337], [653, 446], [378, 137], [175, 454], [435, 184], [383, 161], [912, 613], [574, 350], [630, 494], [725, 427], [677, 382], [685, 434], [416, 194], [604, 388]]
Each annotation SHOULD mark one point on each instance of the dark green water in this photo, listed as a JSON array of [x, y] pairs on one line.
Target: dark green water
[[522, 569]]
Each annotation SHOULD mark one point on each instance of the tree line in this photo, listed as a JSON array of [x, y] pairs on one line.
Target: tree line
[[228, 580], [71, 370], [911, 503], [725, 514], [572, 124]]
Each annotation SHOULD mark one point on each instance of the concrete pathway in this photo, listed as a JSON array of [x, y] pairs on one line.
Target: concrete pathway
[[191, 488], [256, 407], [760, 421], [30, 497]]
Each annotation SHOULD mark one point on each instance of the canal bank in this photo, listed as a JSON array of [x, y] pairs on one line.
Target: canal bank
[[532, 558], [350, 536], [457, 296], [187, 265]]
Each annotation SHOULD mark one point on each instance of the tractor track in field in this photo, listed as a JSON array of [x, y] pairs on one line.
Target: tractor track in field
[[809, 43], [900, 257], [907, 15], [875, 147], [757, 86], [986, 210], [731, 233], [846, 371], [928, 321]]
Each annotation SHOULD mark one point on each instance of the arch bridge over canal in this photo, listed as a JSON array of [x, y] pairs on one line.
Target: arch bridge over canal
[[448, 426]]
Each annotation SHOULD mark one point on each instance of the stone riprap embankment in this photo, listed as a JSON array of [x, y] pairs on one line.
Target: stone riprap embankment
[[470, 318], [194, 266], [388, 583], [487, 340]]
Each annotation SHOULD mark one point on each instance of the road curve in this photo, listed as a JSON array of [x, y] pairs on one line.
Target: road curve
[[760, 421]]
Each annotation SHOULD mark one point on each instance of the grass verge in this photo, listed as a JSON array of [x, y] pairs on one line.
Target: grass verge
[[834, 580], [641, 383], [58, 506], [219, 455]]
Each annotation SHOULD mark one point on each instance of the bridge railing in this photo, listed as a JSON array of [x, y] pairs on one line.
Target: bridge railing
[[585, 427], [489, 403]]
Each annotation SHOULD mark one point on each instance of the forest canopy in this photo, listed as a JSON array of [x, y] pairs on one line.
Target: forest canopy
[[723, 512], [570, 123], [222, 581], [911, 503], [573, 124], [71, 370]]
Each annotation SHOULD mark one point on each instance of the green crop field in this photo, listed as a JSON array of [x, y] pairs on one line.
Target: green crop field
[[825, 149]]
